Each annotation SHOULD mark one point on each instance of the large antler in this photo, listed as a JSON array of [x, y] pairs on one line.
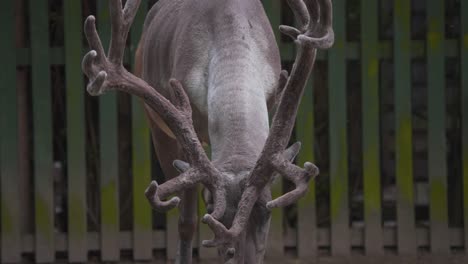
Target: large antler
[[107, 73], [315, 31]]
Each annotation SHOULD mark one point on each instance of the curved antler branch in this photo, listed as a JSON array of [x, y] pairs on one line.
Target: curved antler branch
[[106, 73], [314, 18], [299, 176]]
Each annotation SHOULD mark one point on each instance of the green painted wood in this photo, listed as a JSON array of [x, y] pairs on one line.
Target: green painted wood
[[464, 84], [10, 243], [418, 51], [172, 234], [42, 118], [141, 158], [275, 246], [370, 128], [403, 129], [306, 206], [108, 128], [76, 161], [339, 211], [437, 150]]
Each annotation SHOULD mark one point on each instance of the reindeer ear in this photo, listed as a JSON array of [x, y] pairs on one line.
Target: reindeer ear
[[289, 154]]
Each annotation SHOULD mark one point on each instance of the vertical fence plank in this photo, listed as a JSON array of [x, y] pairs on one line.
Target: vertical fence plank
[[437, 152], [370, 127], [306, 211], [464, 83], [141, 159], [339, 201], [406, 233], [9, 178], [42, 116], [108, 156], [275, 245], [172, 234], [76, 163]]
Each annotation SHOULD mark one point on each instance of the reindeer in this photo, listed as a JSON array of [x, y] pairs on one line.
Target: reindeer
[[210, 72]]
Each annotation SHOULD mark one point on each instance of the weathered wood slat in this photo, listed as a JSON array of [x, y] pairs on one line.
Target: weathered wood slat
[[76, 162], [10, 247], [110, 223], [418, 51], [172, 234], [23, 115], [339, 210], [464, 97], [124, 240], [306, 206], [456, 239], [370, 127], [141, 158], [275, 245], [437, 149], [42, 123], [403, 129]]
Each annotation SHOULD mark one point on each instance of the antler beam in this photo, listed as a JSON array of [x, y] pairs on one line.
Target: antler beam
[[106, 73], [314, 31]]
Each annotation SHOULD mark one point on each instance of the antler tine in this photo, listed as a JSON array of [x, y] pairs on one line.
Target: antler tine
[[301, 14], [272, 159], [283, 120], [326, 14], [121, 20], [300, 177], [321, 35], [93, 38], [225, 236], [152, 194], [108, 73]]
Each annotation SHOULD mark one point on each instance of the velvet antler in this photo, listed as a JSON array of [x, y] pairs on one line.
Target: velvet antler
[[106, 73], [314, 31]]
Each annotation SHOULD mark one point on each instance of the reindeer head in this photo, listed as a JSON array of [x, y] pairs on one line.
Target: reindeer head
[[250, 245], [239, 206]]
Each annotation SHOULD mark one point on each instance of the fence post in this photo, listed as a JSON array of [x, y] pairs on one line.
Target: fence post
[[464, 97], [141, 158], [76, 162], [437, 150], [406, 232], [339, 201], [306, 206], [10, 237], [370, 65], [108, 148], [42, 116]]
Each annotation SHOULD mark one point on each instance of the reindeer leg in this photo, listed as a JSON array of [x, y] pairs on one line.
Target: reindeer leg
[[167, 151], [187, 226]]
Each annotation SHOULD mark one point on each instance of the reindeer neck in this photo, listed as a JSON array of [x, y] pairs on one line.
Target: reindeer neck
[[237, 109]]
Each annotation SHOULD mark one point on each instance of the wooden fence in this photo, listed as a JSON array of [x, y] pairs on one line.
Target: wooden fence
[[298, 232]]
